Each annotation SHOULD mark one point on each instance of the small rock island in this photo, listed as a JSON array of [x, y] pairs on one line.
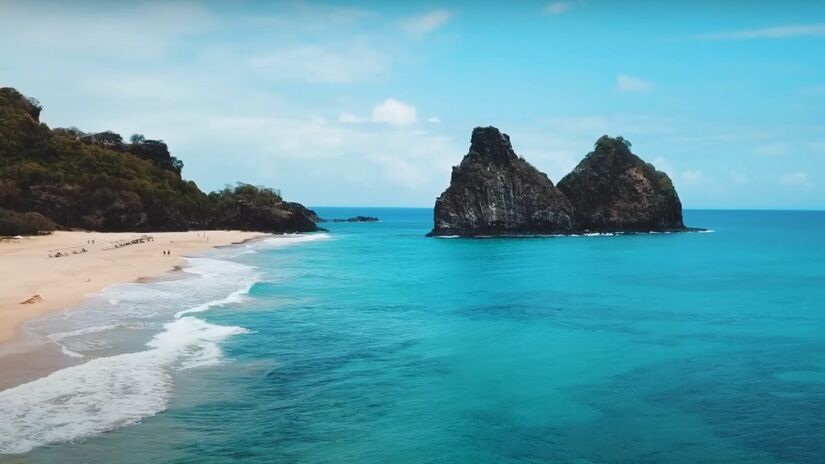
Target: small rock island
[[494, 192]]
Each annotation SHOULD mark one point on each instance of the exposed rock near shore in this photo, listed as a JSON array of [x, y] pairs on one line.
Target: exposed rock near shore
[[613, 190], [358, 219], [494, 192]]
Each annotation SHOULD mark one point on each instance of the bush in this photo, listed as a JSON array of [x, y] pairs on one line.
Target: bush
[[14, 223]]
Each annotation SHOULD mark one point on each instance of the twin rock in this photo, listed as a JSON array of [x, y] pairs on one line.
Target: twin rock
[[495, 192]]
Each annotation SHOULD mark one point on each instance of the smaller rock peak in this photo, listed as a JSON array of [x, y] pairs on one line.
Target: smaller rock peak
[[489, 142]]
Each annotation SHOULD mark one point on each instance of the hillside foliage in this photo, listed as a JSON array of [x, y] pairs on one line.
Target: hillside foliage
[[99, 182]]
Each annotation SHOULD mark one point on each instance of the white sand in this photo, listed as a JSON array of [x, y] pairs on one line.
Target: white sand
[[27, 270]]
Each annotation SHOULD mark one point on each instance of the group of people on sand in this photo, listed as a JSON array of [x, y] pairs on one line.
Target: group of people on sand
[[167, 252], [59, 253], [123, 243]]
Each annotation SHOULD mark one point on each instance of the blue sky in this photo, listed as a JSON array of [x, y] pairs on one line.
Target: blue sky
[[371, 103]]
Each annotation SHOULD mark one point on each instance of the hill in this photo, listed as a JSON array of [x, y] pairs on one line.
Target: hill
[[99, 182]]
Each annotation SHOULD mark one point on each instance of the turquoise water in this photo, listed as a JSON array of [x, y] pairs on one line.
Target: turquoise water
[[376, 344]]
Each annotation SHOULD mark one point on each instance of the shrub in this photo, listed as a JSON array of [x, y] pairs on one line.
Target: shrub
[[14, 223]]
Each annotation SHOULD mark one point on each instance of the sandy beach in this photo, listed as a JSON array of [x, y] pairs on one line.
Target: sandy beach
[[46, 273]]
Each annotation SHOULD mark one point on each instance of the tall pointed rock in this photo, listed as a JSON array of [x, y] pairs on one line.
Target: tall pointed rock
[[494, 192]]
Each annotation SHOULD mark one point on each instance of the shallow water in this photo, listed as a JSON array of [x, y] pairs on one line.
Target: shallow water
[[375, 344]]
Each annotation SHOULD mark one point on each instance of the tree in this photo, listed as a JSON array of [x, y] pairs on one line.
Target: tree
[[34, 107], [137, 139], [624, 141]]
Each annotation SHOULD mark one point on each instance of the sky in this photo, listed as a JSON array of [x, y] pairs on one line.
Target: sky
[[372, 103]]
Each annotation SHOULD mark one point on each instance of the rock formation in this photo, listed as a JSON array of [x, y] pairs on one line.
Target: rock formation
[[613, 190], [494, 192], [358, 219]]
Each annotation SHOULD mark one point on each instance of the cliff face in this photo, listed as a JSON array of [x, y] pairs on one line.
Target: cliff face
[[613, 190], [494, 192]]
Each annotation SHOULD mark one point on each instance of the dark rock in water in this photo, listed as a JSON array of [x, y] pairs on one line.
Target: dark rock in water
[[358, 219], [613, 190], [494, 192]]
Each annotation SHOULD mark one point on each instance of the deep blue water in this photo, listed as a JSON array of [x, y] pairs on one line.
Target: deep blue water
[[378, 345]]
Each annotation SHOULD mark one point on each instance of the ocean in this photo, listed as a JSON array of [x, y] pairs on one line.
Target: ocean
[[374, 344]]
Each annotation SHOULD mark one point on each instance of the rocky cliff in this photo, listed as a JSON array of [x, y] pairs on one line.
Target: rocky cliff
[[613, 190], [494, 192]]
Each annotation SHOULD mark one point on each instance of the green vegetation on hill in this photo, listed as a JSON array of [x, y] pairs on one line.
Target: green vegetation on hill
[[98, 182], [14, 223]]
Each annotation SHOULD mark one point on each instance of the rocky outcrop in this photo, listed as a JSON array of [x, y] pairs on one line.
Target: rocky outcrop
[[357, 219], [247, 207], [158, 153], [613, 190], [303, 211], [495, 192]]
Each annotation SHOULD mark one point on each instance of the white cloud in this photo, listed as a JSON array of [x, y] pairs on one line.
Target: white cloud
[[392, 111], [138, 31], [625, 83], [424, 24], [434, 120], [661, 164], [773, 149], [389, 111], [555, 8], [817, 147], [796, 179], [815, 90], [349, 118], [694, 177], [358, 163], [779, 32], [624, 124], [739, 178], [317, 64]]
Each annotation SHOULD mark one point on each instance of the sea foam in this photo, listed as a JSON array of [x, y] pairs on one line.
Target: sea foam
[[293, 239], [113, 391], [108, 392]]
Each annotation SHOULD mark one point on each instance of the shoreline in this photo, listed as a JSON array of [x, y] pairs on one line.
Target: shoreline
[[33, 283], [686, 230]]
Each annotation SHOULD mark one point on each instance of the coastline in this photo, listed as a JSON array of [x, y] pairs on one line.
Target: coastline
[[28, 273]]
